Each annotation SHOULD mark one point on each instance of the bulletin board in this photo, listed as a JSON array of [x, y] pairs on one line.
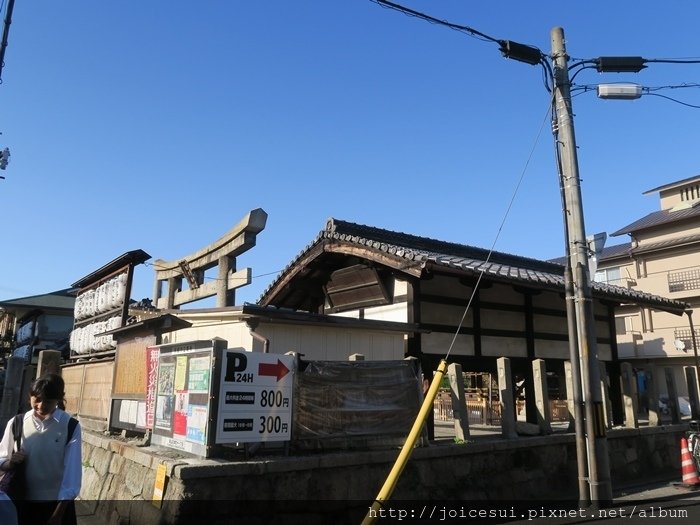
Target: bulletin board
[[183, 417]]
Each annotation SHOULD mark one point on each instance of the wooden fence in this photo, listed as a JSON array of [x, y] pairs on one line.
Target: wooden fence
[[481, 412], [88, 391]]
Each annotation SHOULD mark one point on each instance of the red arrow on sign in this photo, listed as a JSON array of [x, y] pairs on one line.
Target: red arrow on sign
[[275, 370]]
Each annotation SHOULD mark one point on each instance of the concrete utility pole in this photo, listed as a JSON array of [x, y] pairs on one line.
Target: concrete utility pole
[[596, 440], [5, 32]]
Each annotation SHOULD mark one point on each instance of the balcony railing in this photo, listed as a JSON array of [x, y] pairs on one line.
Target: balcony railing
[[683, 281], [686, 335]]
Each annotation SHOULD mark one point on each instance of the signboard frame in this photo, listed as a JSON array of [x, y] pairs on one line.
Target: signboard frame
[[185, 418], [256, 397]]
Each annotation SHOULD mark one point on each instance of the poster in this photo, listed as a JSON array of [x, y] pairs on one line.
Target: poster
[[181, 373], [198, 380], [164, 412], [166, 378], [180, 418], [196, 423]]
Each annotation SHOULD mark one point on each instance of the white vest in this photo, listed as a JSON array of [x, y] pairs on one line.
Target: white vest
[[44, 461]]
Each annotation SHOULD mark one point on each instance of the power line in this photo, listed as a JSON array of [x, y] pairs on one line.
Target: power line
[[417, 14], [647, 91], [498, 234], [673, 100], [674, 60], [158, 267]]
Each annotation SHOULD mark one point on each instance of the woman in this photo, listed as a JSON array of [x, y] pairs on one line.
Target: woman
[[50, 454]]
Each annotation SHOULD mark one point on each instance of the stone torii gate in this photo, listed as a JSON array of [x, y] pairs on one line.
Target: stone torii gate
[[221, 253]]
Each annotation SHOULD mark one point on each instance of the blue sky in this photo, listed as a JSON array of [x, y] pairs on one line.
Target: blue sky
[[157, 125]]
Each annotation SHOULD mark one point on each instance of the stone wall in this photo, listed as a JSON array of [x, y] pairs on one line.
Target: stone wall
[[119, 477]]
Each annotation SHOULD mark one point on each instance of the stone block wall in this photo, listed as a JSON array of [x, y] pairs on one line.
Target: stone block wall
[[119, 477]]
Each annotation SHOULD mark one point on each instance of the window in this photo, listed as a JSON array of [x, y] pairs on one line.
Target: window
[[609, 276], [620, 325]]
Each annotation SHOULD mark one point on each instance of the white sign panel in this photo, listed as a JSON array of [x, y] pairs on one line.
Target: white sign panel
[[255, 398]]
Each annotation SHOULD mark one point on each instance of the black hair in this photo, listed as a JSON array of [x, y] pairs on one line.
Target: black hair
[[49, 386]]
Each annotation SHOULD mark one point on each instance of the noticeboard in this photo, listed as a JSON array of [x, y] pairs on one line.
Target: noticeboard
[[255, 397], [184, 385]]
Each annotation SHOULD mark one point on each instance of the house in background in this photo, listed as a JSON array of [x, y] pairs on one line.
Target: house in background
[[38, 322], [662, 258]]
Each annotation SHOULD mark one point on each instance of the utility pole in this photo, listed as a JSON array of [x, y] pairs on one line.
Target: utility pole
[[5, 32], [596, 440]]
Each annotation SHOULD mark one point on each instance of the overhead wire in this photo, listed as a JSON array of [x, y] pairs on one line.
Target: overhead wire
[[646, 91], [673, 100], [157, 267], [673, 60], [417, 14], [500, 230], [547, 73]]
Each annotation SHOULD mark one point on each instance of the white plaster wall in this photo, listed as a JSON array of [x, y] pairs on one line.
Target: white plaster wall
[[316, 343], [235, 333], [397, 313]]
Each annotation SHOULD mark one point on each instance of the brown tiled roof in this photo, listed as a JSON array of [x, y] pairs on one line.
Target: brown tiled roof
[[613, 252], [472, 260], [658, 218], [669, 243], [673, 184]]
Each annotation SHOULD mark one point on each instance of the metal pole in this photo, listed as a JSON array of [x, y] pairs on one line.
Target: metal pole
[[695, 346], [5, 33], [598, 461]]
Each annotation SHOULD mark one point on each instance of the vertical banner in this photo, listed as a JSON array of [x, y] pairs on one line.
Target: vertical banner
[[152, 354]]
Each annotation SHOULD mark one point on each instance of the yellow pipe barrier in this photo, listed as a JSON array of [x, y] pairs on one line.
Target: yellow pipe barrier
[[402, 459]]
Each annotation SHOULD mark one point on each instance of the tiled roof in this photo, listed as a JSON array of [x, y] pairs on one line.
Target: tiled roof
[[669, 243], [472, 260], [613, 252], [60, 299], [658, 218], [670, 185]]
